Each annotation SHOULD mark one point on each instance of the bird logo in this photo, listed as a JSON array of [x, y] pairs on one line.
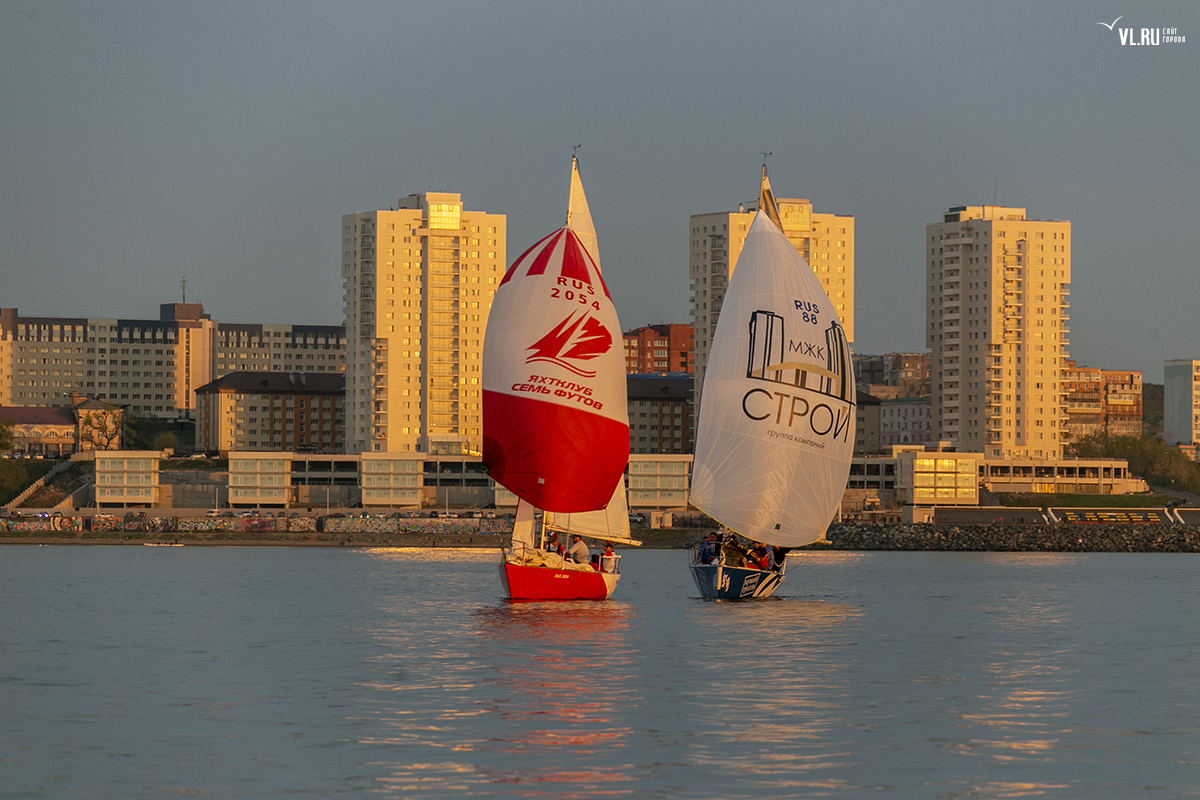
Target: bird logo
[[1114, 22], [579, 339]]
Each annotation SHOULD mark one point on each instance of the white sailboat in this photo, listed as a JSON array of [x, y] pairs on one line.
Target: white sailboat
[[555, 423], [777, 415]]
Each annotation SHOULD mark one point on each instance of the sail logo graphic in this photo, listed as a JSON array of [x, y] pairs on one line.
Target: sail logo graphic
[[771, 360], [572, 341]]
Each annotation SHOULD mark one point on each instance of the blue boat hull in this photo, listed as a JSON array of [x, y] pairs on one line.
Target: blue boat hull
[[718, 582]]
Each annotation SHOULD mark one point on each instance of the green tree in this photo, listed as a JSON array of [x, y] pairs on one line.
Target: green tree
[[6, 434], [165, 441], [1147, 456]]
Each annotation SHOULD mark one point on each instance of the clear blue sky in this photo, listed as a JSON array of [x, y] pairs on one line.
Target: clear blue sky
[[142, 142]]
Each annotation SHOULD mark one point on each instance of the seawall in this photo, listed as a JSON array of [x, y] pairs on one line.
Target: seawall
[[998, 537]]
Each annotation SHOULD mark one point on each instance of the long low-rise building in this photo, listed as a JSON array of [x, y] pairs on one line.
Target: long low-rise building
[[911, 476], [150, 366]]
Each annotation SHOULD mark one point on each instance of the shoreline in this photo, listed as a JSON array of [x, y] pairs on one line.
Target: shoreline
[[254, 539], [859, 537]]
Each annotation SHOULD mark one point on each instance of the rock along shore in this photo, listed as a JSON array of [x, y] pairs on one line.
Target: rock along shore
[[1107, 538]]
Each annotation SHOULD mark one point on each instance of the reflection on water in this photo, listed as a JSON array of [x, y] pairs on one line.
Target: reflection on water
[[1026, 689], [260, 672], [773, 709], [562, 668]]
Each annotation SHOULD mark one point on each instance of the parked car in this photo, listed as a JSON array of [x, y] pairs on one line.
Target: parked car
[[212, 512]]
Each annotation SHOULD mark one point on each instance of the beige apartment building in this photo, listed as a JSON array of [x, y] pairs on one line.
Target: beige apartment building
[[997, 300], [825, 240], [150, 366], [419, 281], [280, 411]]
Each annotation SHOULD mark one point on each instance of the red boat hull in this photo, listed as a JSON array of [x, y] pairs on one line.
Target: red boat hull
[[547, 583]]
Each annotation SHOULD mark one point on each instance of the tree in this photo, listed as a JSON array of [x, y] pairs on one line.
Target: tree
[[101, 428], [165, 441], [6, 434], [1147, 456]]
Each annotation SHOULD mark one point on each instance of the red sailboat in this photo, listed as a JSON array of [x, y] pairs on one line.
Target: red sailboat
[[555, 424]]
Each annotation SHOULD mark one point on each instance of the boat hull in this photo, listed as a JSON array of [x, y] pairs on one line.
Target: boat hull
[[718, 582], [546, 583]]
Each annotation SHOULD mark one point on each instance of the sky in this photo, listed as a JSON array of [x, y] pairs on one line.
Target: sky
[[145, 142]]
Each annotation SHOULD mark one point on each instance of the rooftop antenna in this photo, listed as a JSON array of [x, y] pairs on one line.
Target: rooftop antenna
[[183, 283], [995, 190], [431, 179], [765, 157]]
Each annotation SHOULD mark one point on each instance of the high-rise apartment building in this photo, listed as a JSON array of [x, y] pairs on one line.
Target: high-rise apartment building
[[1181, 402], [659, 348], [997, 287], [825, 240], [150, 366], [419, 282]]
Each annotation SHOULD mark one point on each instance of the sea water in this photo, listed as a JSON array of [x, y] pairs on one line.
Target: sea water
[[138, 672]]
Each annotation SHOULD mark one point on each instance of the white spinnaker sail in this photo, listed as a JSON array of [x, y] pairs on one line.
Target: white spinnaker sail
[[776, 428], [610, 522]]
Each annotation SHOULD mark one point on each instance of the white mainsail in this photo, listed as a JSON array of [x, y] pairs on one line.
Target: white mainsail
[[522, 535], [777, 410], [610, 522], [579, 216]]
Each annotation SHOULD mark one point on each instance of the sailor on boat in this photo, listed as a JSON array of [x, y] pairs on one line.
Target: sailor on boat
[[579, 551]]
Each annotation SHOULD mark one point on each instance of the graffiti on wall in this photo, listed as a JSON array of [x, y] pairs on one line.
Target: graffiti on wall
[[394, 525], [40, 524]]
